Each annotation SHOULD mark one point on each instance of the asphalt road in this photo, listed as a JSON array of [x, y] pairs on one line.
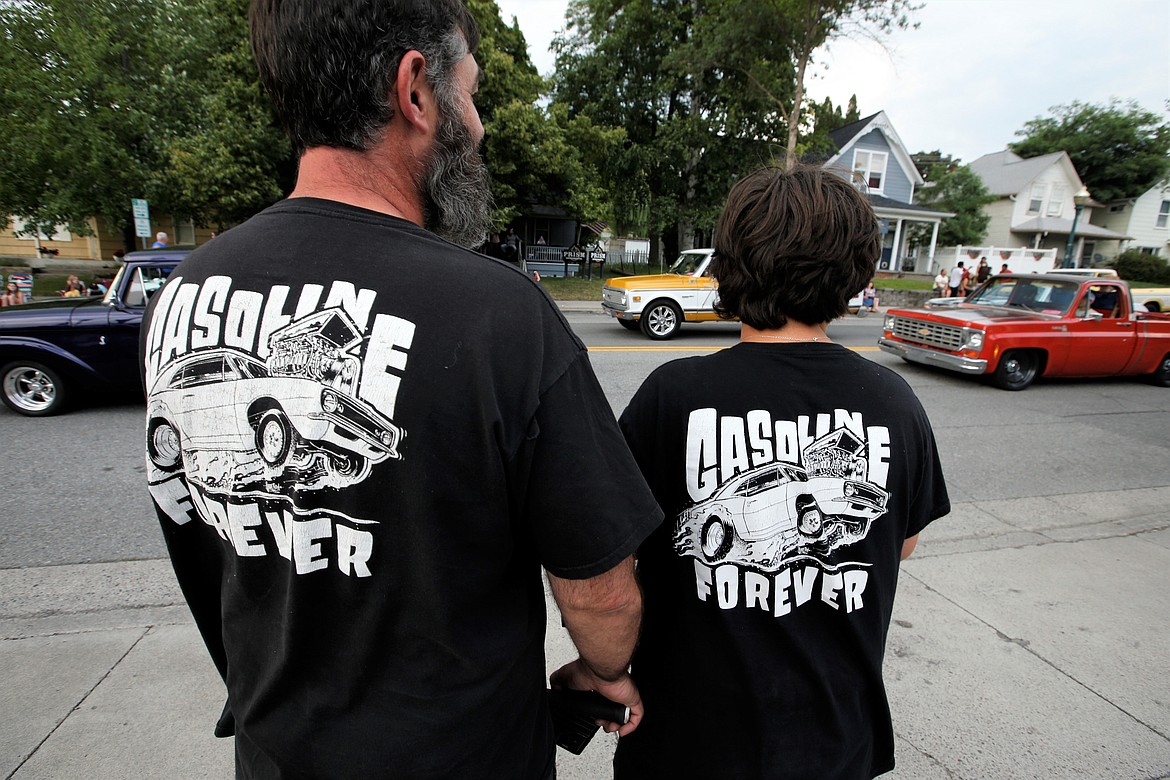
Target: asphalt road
[[74, 487]]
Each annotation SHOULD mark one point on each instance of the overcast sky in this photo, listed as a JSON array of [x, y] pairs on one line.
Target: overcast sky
[[974, 71]]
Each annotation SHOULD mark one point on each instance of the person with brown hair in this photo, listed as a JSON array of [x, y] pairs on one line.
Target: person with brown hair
[[361, 485], [12, 295], [795, 475]]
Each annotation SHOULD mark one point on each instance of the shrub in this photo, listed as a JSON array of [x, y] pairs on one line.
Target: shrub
[[1137, 266]]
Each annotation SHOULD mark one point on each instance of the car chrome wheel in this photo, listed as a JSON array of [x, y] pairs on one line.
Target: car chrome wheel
[[32, 389], [661, 320]]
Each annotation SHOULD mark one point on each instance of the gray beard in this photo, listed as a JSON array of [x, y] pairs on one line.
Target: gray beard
[[456, 191]]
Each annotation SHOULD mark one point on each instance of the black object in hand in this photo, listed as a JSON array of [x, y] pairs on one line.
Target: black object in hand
[[575, 715]]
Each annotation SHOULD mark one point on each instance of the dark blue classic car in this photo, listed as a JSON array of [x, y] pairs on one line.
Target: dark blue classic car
[[56, 351]]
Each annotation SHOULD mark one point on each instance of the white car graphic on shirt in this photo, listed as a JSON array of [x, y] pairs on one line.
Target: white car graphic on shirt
[[233, 425], [763, 515]]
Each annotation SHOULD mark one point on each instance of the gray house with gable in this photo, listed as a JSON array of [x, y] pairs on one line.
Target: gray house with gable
[[871, 149]]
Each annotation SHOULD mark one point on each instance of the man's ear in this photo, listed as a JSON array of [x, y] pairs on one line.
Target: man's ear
[[413, 96]]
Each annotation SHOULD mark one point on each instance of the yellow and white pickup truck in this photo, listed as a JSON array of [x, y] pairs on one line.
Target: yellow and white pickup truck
[[660, 303]]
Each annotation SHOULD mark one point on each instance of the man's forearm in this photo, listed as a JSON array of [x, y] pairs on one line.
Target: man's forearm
[[603, 615]]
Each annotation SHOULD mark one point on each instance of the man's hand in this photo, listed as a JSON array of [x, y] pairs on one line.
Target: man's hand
[[603, 615], [577, 676]]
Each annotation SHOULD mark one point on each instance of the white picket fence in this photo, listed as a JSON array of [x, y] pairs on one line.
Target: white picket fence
[[1020, 260]]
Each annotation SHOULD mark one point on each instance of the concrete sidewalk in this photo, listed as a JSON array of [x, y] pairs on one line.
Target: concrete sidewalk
[[1029, 641]]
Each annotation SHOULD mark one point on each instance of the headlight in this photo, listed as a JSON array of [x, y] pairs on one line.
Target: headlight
[[387, 438], [975, 340], [329, 402], [850, 489], [888, 323]]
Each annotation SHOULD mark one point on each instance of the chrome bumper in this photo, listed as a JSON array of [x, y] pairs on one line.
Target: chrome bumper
[[619, 313], [931, 357]]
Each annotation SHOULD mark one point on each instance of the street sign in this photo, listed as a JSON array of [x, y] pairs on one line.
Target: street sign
[[141, 211]]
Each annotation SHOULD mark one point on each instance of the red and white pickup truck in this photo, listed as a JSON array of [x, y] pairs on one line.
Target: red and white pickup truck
[[1017, 327]]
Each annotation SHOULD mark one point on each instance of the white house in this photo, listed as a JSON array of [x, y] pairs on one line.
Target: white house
[[1034, 205], [871, 148], [1145, 218]]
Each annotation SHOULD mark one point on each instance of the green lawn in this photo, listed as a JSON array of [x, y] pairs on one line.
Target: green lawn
[[571, 289]]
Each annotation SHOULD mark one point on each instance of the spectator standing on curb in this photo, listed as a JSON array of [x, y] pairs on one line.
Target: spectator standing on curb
[[795, 475], [958, 273], [359, 483]]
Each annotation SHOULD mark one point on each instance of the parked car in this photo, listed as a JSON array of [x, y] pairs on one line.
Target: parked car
[[53, 351], [1017, 327]]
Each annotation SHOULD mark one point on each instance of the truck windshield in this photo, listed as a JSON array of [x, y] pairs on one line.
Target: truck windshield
[[690, 264], [1045, 296]]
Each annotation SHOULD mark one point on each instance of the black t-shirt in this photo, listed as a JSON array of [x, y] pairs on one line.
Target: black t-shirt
[[790, 475], [363, 445]]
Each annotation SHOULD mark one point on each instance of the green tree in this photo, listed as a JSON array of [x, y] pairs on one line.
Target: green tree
[[1120, 150], [825, 119], [225, 156], [133, 98], [816, 22], [1137, 266], [958, 190], [79, 109], [698, 88], [926, 161], [535, 155]]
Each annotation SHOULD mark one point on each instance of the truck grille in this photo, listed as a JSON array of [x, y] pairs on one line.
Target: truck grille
[[931, 334], [610, 295]]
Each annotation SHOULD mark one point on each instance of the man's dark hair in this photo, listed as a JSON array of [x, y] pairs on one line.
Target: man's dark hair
[[795, 244], [330, 65]]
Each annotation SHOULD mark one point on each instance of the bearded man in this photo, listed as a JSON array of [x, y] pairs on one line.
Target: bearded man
[[364, 442]]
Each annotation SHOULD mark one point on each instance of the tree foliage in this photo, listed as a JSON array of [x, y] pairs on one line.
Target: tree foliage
[[825, 119], [535, 155], [1120, 150], [1137, 266], [104, 102], [698, 89], [959, 190], [925, 162], [706, 91], [816, 22]]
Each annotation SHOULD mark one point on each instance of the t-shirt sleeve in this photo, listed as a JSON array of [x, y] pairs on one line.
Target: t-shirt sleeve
[[587, 505], [930, 500]]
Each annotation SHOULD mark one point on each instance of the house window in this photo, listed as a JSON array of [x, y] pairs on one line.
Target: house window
[[1163, 213], [871, 166], [1117, 209], [1148, 250], [1036, 202], [22, 231], [1056, 201]]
